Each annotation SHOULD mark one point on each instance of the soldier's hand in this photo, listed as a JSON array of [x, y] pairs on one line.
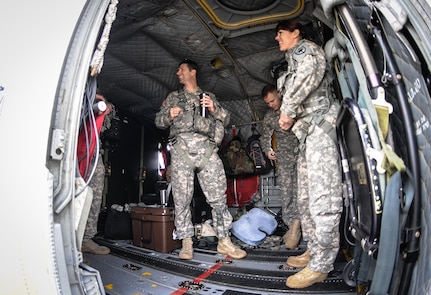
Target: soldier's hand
[[285, 122], [272, 155], [207, 102], [174, 112]]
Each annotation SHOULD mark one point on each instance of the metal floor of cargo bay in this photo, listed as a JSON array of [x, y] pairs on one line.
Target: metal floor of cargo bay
[[133, 270]]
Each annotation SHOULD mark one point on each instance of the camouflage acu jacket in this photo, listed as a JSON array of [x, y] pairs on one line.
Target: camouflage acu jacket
[[270, 125], [190, 120], [305, 86]]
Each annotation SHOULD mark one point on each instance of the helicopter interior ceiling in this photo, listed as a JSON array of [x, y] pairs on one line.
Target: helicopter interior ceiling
[[231, 40]]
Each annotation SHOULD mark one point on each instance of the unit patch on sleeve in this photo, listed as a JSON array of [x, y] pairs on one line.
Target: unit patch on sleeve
[[302, 51]]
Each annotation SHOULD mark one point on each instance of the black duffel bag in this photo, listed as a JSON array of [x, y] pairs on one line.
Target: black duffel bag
[[118, 225]]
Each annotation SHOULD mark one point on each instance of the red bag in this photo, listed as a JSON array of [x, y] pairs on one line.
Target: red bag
[[240, 191], [87, 143]]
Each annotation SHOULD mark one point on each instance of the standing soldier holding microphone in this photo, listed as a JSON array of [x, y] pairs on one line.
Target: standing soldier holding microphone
[[194, 137]]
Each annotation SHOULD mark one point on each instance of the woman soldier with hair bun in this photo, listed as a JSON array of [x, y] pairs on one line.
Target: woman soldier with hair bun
[[309, 109]]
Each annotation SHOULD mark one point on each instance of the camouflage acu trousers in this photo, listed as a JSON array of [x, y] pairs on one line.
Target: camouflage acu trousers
[[212, 180], [320, 198], [287, 181], [96, 184]]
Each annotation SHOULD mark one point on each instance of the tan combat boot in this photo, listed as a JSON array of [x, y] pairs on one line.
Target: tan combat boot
[[305, 278], [187, 249], [299, 261], [226, 247], [92, 247], [293, 235]]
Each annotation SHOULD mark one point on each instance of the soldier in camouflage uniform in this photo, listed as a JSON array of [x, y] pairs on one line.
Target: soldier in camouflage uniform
[[285, 153], [97, 183], [309, 107], [194, 139]]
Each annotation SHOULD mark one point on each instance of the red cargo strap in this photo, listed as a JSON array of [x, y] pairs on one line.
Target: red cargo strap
[[202, 277]]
